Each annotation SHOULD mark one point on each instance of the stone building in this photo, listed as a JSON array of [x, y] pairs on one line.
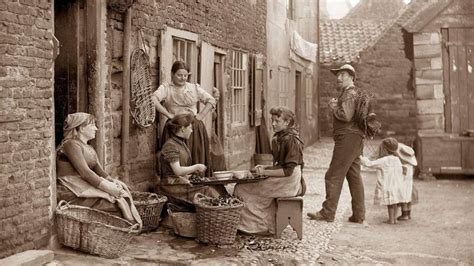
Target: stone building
[[443, 44], [292, 64], [60, 57]]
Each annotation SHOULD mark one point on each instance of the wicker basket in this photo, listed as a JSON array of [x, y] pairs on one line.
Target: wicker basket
[[149, 206], [142, 107], [217, 224], [93, 231]]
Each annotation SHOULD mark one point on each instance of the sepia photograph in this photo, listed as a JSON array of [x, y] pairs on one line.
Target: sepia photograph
[[236, 132]]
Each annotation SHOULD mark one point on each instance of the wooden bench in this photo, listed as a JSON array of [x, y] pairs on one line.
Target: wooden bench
[[289, 211]]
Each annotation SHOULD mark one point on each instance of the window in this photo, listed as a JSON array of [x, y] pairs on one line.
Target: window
[[309, 96], [239, 87], [185, 50], [283, 86], [290, 9]]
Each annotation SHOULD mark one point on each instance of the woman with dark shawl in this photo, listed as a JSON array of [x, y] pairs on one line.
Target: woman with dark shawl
[[284, 176]]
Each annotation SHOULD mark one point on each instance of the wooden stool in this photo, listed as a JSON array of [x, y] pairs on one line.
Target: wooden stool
[[289, 211]]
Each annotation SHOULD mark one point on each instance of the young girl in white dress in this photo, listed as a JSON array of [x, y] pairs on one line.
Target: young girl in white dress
[[393, 187]]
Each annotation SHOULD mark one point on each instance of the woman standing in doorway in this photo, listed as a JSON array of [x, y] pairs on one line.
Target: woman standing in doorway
[[181, 97]]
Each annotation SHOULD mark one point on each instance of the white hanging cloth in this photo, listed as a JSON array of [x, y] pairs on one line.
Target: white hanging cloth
[[304, 49]]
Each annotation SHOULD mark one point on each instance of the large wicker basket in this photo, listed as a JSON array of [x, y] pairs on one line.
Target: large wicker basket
[[149, 206], [217, 224], [93, 231]]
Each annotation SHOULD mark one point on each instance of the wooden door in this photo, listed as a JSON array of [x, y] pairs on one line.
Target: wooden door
[[459, 79]]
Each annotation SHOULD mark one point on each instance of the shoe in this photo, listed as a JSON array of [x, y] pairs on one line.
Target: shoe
[[318, 216], [352, 219]]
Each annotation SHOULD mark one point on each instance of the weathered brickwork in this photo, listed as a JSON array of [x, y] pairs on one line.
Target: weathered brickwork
[[26, 124], [26, 96], [384, 69], [227, 25]]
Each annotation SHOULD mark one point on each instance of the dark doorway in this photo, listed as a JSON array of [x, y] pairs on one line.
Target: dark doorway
[[70, 88]]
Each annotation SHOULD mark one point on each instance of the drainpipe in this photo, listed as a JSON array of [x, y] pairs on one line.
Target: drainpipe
[[126, 93]]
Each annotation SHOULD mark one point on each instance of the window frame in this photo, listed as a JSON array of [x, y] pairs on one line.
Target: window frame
[[190, 53], [309, 95], [283, 86], [239, 84]]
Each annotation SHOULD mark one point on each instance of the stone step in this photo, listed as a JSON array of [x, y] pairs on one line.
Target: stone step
[[29, 258]]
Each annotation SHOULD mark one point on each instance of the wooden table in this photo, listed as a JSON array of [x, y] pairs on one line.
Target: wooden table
[[230, 180]]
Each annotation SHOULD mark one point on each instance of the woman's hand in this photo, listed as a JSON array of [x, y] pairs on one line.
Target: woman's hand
[[259, 169], [110, 198], [199, 167], [199, 117], [111, 188], [184, 180], [364, 160], [332, 103]]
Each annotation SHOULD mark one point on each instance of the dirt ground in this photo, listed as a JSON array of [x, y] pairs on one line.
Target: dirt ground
[[441, 231]]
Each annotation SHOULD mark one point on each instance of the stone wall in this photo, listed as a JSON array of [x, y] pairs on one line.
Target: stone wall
[[26, 125], [428, 49], [384, 69], [429, 81]]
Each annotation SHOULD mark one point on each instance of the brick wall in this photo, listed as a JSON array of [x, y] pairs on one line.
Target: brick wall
[[26, 124], [227, 25], [385, 70]]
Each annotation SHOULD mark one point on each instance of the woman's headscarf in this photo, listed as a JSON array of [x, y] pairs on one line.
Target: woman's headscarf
[[72, 122]]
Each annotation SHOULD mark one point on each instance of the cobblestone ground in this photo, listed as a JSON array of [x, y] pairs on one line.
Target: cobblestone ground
[[163, 246]]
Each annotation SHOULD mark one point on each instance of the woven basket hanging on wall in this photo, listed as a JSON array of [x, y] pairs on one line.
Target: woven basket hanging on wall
[[141, 105]]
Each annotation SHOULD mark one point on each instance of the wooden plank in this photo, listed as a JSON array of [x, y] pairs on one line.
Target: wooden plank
[[468, 154], [453, 81], [441, 152], [462, 83], [470, 80], [446, 80]]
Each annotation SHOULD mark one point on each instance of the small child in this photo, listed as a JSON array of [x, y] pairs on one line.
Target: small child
[[391, 189], [407, 156]]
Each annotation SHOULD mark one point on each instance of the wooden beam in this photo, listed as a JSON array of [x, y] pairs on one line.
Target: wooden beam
[[126, 94], [95, 39]]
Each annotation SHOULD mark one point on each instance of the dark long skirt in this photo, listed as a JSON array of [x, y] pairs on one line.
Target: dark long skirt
[[198, 144]]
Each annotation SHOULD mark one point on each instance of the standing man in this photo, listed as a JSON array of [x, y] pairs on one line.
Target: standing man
[[345, 162]]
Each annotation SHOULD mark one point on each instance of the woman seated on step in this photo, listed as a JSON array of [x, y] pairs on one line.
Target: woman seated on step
[[285, 179], [176, 164], [82, 179]]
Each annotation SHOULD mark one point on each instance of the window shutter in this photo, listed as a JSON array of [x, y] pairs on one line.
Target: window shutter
[[256, 89]]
